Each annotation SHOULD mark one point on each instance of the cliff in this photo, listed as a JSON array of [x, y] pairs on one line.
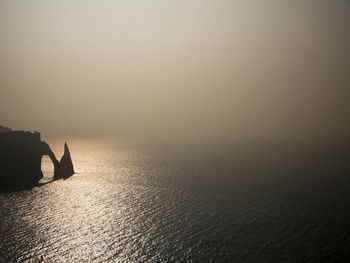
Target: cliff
[[66, 164], [20, 159], [4, 129]]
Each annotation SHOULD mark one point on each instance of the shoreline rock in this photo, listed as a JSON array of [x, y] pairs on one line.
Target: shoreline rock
[[20, 159]]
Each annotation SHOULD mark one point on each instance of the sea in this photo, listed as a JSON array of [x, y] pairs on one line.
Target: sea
[[253, 202]]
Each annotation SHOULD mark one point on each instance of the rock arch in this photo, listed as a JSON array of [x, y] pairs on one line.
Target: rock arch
[[20, 159], [64, 167], [46, 150]]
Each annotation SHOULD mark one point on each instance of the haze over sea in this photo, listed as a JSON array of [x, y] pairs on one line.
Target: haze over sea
[[238, 203]]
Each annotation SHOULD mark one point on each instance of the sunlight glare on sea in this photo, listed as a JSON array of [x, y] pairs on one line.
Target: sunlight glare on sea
[[127, 204]]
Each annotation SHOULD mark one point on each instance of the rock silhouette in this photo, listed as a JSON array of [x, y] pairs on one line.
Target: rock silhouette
[[65, 165], [4, 129], [20, 159]]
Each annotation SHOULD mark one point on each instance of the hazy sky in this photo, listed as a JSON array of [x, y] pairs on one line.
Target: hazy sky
[[176, 70]]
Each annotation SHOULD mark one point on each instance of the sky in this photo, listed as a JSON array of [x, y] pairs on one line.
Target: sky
[[184, 70]]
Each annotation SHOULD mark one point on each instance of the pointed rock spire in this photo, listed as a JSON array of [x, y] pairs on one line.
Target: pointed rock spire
[[66, 164]]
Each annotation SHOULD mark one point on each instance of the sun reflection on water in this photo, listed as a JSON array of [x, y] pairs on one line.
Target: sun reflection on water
[[79, 209], [125, 205]]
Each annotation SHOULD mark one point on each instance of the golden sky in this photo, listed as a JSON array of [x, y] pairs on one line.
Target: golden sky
[[176, 70]]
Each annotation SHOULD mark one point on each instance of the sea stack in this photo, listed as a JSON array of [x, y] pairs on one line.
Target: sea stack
[[20, 159], [66, 164]]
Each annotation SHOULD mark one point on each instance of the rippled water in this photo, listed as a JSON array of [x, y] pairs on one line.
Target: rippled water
[[131, 205]]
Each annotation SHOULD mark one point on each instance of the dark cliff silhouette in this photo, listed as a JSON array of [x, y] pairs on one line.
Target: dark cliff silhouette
[[20, 159], [66, 165], [4, 129]]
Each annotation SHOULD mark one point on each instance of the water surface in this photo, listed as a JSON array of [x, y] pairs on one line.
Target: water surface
[[128, 204]]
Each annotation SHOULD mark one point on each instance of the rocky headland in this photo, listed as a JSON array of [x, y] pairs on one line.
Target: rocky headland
[[20, 159]]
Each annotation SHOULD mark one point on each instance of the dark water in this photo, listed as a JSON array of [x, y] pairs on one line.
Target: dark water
[[232, 205]]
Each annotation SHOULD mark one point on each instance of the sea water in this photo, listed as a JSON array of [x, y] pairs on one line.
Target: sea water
[[183, 204]]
